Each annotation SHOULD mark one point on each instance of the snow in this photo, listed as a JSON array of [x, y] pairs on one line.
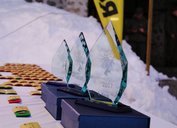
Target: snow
[[32, 32]]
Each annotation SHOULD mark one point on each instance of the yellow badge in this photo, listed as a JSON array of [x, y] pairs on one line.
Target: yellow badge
[[38, 88], [5, 86], [13, 97], [2, 91], [10, 92], [20, 108], [30, 125], [35, 93]]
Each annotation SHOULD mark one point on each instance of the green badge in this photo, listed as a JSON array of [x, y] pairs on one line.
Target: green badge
[[21, 111]]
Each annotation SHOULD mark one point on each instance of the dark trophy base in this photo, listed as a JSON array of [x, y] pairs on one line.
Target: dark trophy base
[[79, 116], [121, 108], [75, 91], [54, 97], [52, 84]]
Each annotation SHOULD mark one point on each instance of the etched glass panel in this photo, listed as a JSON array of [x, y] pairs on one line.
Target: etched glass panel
[[79, 55], [62, 62], [108, 76]]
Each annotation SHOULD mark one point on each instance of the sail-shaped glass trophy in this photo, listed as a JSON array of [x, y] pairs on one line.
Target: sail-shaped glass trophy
[[62, 62], [109, 72], [80, 69]]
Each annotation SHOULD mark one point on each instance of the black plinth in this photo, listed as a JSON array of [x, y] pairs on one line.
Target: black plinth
[[53, 84], [53, 97], [78, 116]]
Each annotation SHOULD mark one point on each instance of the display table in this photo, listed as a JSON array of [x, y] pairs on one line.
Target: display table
[[41, 115]]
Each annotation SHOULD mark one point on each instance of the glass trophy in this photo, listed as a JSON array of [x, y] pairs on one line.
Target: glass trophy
[[62, 64], [109, 72], [80, 69]]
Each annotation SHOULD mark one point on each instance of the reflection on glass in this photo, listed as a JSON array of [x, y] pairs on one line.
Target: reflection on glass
[[108, 75]]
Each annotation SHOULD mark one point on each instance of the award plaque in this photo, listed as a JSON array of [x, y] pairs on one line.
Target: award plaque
[[62, 62], [108, 77], [72, 67], [61, 67], [109, 72], [81, 67]]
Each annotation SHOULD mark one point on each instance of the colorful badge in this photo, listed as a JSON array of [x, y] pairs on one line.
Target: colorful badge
[[30, 125], [35, 93], [12, 92], [5, 87], [38, 88], [21, 111], [14, 99]]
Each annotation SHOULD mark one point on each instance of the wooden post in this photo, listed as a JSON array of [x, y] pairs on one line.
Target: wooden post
[[149, 36]]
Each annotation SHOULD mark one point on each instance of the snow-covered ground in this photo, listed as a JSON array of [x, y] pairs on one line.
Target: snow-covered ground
[[32, 32]]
